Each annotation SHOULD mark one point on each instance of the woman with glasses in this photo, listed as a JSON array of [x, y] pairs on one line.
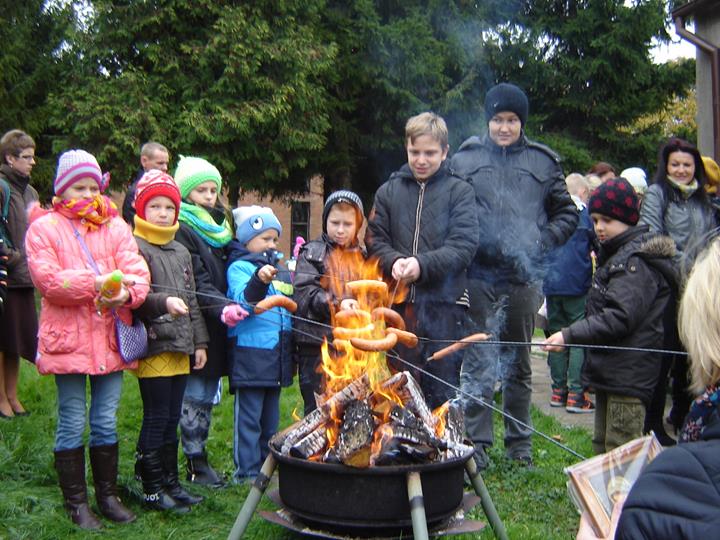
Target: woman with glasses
[[19, 323]]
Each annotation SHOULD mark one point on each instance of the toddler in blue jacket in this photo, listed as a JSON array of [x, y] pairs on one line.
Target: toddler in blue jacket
[[260, 362]]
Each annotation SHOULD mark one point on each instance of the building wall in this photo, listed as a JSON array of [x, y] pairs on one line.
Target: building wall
[[707, 26], [281, 206]]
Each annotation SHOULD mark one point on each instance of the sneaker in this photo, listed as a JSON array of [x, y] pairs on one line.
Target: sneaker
[[578, 402], [558, 398]]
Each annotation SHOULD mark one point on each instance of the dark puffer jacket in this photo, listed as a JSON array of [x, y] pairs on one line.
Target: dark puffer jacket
[[677, 497], [625, 308], [314, 294], [523, 207], [434, 221], [171, 267], [21, 195], [211, 283]]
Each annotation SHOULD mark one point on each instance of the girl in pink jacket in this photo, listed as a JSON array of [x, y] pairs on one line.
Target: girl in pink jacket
[[77, 331]]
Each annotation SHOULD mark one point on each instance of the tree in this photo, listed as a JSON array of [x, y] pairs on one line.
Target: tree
[[242, 85]]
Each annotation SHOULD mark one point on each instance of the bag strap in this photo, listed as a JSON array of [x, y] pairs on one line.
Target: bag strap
[[90, 259]]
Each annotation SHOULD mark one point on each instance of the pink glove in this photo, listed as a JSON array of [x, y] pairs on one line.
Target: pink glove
[[233, 314]]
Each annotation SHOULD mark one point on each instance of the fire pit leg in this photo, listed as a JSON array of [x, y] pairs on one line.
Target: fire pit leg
[[485, 499], [253, 498], [417, 506]]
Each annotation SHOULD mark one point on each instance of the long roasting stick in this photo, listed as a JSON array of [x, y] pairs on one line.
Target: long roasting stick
[[458, 345]]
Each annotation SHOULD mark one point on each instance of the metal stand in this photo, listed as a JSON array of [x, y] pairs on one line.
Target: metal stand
[[253, 498], [485, 499], [417, 506]]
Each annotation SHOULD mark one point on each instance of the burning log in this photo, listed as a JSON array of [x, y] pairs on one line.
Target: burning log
[[356, 434], [414, 400], [311, 445], [451, 429], [464, 342], [358, 389]]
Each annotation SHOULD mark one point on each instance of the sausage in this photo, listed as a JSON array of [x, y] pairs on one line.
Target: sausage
[[276, 300], [464, 342], [347, 316], [390, 316], [405, 338], [367, 286], [346, 333], [375, 345]]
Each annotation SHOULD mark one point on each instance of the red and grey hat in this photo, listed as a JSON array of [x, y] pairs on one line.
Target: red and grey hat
[[616, 199], [155, 183]]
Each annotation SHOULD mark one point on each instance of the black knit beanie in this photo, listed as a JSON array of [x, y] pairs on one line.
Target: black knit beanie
[[343, 196], [615, 199], [506, 97]]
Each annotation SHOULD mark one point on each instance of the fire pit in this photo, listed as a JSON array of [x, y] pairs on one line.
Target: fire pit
[[371, 501]]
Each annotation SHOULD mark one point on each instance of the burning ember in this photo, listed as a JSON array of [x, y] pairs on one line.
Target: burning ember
[[366, 415]]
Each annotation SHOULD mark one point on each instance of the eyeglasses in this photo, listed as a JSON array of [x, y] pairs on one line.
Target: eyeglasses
[[27, 157]]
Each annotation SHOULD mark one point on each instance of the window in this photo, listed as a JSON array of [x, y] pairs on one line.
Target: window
[[299, 221]]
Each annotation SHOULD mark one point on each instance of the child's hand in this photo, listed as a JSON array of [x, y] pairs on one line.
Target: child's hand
[[200, 358], [233, 314], [267, 273], [349, 303], [407, 270], [175, 306], [554, 343], [116, 301]]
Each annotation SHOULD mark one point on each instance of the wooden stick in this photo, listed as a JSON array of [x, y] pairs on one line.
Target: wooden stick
[[417, 506]]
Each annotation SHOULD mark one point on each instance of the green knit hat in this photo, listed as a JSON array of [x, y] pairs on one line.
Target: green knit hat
[[193, 171]]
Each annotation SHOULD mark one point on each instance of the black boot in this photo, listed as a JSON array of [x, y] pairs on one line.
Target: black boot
[[154, 493], [172, 482], [199, 471], [104, 463], [70, 467]]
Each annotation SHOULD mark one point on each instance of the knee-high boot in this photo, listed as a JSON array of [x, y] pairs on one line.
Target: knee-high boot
[[70, 467], [104, 463], [172, 482], [153, 480]]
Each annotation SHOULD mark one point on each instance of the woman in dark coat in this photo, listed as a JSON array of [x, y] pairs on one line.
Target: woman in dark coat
[[19, 322], [677, 205]]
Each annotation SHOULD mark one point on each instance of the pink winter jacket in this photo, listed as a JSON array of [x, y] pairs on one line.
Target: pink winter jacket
[[74, 337]]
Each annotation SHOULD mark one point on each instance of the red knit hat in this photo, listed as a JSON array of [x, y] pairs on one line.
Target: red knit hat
[[155, 183], [615, 199]]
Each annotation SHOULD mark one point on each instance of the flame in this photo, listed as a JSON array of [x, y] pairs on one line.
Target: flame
[[441, 415], [341, 362], [295, 415]]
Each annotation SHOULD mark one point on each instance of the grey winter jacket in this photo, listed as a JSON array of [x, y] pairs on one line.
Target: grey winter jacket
[[625, 307], [434, 221], [685, 220], [523, 207], [171, 268], [21, 195]]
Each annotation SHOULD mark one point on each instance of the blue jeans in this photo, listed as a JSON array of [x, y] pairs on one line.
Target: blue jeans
[[257, 414], [201, 390], [104, 400]]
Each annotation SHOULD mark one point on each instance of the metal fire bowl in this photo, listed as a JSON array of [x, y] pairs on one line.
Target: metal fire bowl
[[352, 500]]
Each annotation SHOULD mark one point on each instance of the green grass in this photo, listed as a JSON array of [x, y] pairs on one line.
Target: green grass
[[533, 504]]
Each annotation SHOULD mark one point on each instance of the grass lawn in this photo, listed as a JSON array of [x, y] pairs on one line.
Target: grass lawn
[[533, 504]]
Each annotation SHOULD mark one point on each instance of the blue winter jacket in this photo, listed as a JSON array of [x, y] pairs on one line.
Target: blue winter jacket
[[261, 356], [569, 270]]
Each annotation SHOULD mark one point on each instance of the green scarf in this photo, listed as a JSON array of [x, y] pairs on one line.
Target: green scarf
[[686, 190], [200, 221]]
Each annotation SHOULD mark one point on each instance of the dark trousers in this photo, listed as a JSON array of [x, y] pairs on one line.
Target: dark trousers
[[162, 403], [308, 359], [439, 323]]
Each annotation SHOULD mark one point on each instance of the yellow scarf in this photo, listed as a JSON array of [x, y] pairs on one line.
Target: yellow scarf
[[153, 233]]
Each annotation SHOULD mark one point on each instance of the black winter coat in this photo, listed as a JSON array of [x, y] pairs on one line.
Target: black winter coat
[[523, 207], [209, 268], [171, 267], [434, 221], [313, 292], [625, 307], [677, 497]]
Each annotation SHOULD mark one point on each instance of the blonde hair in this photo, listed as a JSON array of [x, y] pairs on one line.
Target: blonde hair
[[576, 183], [699, 318], [149, 148], [593, 181], [427, 123]]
